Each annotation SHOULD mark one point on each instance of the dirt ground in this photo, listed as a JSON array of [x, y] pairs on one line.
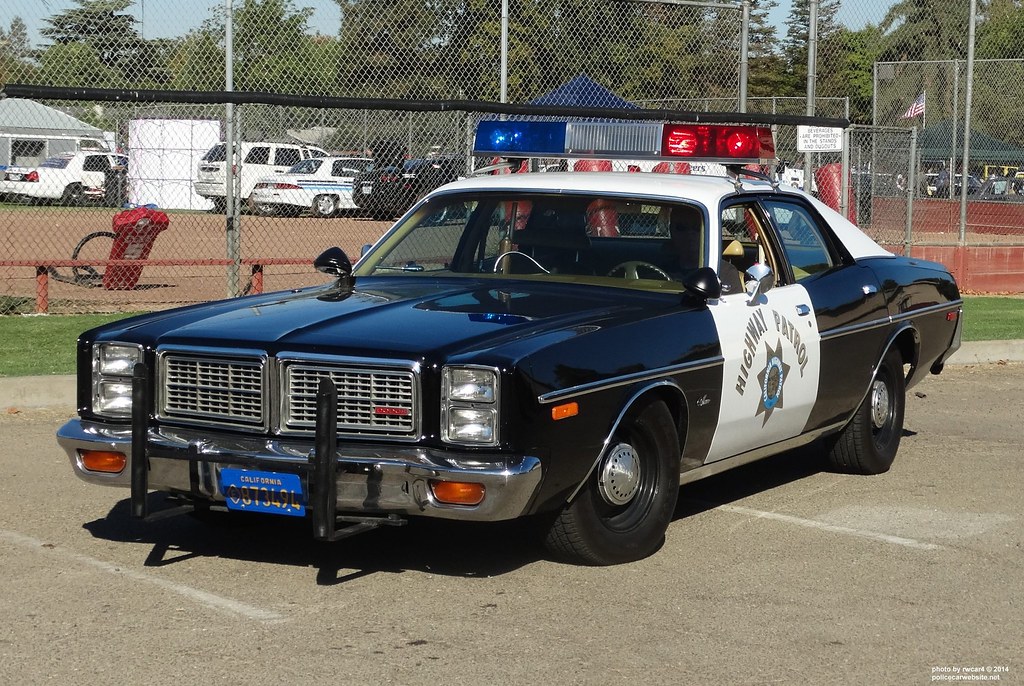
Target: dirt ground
[[51, 233]]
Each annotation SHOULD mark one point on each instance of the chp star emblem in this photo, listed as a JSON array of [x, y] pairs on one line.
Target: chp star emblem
[[771, 380]]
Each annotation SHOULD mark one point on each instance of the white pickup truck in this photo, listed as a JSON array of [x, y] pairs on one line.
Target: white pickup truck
[[71, 178]]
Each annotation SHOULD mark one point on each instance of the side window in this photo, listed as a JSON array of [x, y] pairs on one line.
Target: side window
[[258, 155], [743, 245], [801, 238], [95, 163], [286, 157]]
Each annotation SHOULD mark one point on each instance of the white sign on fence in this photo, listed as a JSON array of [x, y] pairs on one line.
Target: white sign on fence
[[818, 139]]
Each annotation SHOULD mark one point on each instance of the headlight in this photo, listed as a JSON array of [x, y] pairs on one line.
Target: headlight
[[469, 405], [112, 367], [471, 385]]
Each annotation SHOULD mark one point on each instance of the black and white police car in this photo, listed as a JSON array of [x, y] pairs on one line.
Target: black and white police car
[[566, 346]]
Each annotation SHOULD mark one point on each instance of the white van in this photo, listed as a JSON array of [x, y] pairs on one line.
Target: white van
[[258, 160]]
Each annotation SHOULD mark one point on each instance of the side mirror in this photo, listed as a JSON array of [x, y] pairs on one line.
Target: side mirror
[[762, 281], [335, 262], [365, 249], [703, 284]]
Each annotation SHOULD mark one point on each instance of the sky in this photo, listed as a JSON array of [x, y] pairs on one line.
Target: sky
[[170, 18]]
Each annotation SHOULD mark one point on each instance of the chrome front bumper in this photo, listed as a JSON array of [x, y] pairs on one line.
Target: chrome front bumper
[[383, 479]]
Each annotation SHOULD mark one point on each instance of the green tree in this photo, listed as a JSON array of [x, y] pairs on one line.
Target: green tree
[[15, 53], [104, 26]]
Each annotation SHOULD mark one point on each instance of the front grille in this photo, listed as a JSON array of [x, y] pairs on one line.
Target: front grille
[[371, 401], [213, 390]]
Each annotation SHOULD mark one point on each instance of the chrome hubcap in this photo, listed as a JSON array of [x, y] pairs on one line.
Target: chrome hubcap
[[879, 404], [619, 477]]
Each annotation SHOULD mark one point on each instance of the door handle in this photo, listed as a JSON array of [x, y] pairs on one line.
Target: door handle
[[803, 310]]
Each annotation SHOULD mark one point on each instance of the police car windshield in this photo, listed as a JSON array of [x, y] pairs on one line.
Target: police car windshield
[[631, 243]]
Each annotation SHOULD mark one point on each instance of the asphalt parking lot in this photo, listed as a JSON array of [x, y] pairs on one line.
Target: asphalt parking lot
[[776, 573]]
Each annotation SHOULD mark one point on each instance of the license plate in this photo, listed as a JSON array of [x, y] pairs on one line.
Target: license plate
[[14, 177], [367, 188], [270, 492]]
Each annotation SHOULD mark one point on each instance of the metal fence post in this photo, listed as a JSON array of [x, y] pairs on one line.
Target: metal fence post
[[967, 124], [231, 237], [908, 238]]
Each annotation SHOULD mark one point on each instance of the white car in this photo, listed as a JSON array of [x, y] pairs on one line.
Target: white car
[[322, 185], [71, 178], [258, 160]]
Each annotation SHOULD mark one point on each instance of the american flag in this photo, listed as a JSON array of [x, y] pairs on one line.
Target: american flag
[[916, 108]]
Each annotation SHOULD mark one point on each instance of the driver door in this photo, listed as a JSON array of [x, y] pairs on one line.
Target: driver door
[[769, 343]]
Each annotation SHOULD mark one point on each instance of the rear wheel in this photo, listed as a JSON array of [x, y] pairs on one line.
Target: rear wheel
[[624, 509], [73, 194], [868, 444], [325, 205]]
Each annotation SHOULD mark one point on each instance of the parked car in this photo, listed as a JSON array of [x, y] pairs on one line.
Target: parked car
[[70, 178], [1001, 189], [569, 347], [258, 161], [321, 185], [386, 191]]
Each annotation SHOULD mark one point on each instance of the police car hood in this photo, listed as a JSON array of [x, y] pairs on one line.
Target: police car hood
[[400, 317]]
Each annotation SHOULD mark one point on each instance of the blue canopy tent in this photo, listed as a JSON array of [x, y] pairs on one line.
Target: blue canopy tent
[[583, 91]]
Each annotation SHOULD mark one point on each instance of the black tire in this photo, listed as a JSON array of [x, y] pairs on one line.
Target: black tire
[[325, 206], [220, 205], [615, 518], [868, 444], [85, 274], [73, 195]]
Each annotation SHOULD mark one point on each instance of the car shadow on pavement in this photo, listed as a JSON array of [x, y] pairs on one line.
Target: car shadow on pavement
[[448, 548], [756, 477]]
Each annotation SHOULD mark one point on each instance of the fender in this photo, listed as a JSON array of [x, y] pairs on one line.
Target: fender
[[915, 354], [629, 404]]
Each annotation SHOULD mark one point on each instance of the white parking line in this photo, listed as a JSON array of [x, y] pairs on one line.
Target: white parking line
[[812, 524], [210, 600]]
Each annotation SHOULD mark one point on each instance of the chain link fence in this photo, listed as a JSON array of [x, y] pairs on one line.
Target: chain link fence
[[59, 228]]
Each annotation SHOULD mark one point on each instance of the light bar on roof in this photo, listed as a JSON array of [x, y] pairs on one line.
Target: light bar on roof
[[726, 144]]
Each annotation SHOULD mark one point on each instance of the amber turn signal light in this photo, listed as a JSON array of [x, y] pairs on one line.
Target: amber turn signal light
[[103, 461], [457, 492], [565, 411]]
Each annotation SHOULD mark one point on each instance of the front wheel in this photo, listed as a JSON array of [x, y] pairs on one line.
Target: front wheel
[[868, 444], [624, 509]]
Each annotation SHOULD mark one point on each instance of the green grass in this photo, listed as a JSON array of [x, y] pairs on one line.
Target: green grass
[[39, 345], [992, 318]]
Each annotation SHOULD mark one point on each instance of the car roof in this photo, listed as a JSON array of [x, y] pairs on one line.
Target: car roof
[[706, 190]]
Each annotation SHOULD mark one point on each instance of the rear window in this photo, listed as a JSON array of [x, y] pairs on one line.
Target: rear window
[[286, 157], [217, 153], [56, 163]]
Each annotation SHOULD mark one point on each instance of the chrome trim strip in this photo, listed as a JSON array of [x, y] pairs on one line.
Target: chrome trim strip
[[615, 427], [889, 319], [856, 328], [931, 309], [626, 379], [717, 467]]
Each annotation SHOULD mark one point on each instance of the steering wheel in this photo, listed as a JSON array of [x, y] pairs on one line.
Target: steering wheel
[[633, 268]]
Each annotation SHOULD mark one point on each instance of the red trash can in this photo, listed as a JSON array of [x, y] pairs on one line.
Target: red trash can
[[135, 230], [829, 180]]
